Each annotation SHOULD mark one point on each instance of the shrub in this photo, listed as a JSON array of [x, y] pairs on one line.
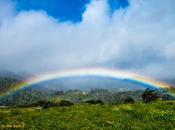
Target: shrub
[[44, 104], [65, 103], [47, 104], [94, 102], [127, 99], [149, 95]]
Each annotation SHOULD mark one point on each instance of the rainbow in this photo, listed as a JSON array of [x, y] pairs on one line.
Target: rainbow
[[100, 72]]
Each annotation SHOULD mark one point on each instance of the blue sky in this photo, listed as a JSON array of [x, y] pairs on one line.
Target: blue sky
[[64, 10]]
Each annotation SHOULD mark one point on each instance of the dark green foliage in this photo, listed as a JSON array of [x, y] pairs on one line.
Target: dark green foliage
[[127, 99], [94, 102], [24, 97], [104, 95], [149, 95], [31, 96], [65, 103], [44, 104], [47, 104]]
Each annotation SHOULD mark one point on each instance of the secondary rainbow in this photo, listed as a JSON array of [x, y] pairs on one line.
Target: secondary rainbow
[[99, 72]]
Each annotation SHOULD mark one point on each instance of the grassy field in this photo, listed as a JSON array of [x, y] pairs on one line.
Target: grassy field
[[159, 115]]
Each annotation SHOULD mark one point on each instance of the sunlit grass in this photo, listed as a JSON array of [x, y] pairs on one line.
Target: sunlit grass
[[154, 115]]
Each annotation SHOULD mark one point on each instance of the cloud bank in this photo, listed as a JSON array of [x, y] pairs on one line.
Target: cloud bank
[[139, 38]]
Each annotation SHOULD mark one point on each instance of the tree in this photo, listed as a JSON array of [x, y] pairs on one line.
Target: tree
[[94, 102], [149, 95], [65, 103], [127, 99]]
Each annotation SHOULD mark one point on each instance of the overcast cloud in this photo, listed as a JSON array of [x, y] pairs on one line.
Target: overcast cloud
[[139, 38]]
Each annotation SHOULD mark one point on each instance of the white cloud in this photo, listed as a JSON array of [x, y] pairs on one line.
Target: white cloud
[[139, 38]]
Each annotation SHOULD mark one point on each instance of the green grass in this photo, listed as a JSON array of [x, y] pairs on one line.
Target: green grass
[[159, 115]]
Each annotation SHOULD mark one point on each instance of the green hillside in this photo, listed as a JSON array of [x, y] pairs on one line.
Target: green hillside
[[6, 83], [159, 115]]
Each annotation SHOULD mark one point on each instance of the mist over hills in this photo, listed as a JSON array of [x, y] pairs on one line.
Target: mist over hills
[[9, 74], [85, 83], [4, 73], [9, 79]]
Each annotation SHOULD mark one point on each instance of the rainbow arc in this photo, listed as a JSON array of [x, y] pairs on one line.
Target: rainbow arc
[[99, 72]]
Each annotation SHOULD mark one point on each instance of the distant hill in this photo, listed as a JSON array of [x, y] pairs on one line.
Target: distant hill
[[10, 74], [87, 83], [8, 83], [27, 96], [8, 80], [32, 95]]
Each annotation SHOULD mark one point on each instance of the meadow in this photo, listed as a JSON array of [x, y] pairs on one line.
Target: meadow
[[158, 115]]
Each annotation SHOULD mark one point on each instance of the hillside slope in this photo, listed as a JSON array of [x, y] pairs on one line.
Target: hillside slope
[[7, 83]]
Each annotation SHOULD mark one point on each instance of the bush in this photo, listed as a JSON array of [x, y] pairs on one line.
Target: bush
[[127, 99], [65, 103], [94, 102], [149, 95], [47, 105]]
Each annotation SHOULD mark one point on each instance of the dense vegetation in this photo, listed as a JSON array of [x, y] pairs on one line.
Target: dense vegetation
[[158, 115], [32, 96], [23, 97]]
